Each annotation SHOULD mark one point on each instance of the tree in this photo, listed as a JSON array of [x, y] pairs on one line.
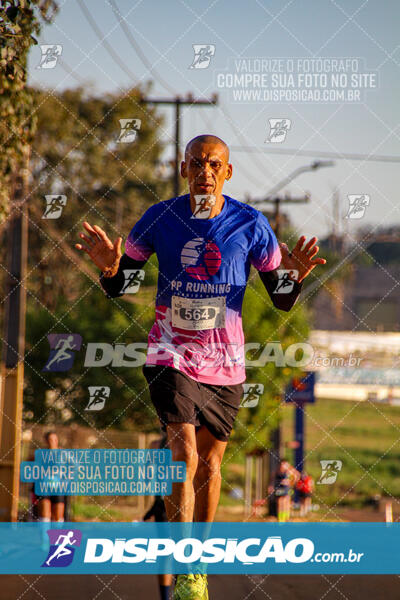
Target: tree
[[62, 397], [75, 153], [19, 20]]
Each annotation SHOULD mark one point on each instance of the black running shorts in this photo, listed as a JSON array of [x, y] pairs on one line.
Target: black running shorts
[[53, 499], [178, 398]]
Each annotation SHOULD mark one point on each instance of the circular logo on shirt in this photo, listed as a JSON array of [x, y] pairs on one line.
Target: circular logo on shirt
[[200, 258]]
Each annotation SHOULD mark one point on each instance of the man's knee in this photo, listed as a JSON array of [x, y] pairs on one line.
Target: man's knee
[[209, 466], [183, 448]]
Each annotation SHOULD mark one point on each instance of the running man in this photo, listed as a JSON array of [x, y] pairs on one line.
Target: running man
[[195, 363]]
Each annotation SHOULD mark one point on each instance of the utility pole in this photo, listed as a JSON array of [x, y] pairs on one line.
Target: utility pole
[[277, 204], [272, 194], [178, 102], [12, 360]]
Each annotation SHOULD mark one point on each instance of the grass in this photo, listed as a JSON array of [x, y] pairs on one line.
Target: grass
[[94, 511], [364, 436]]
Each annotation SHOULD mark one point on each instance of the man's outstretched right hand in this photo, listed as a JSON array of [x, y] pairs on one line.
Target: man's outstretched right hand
[[99, 247]]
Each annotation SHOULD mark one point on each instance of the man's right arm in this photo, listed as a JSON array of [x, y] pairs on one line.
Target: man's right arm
[[107, 255], [113, 285]]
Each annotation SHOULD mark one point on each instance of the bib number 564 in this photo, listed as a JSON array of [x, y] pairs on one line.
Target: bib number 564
[[197, 314]]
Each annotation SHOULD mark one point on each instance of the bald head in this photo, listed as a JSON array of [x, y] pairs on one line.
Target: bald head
[[206, 138], [206, 165]]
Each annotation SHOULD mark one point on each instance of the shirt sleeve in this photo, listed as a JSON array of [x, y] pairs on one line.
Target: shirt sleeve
[[113, 286], [265, 254], [140, 242]]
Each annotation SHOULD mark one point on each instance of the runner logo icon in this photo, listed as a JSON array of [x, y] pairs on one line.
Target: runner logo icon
[[357, 205], [98, 396], [330, 470], [54, 206], [278, 129], [129, 129], [200, 258], [251, 394], [286, 279], [50, 55], [62, 351], [133, 279], [61, 551], [202, 55]]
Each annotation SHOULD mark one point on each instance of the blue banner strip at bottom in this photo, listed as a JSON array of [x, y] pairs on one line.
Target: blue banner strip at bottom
[[217, 548]]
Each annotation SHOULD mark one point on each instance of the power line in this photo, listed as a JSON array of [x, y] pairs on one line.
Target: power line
[[343, 155], [240, 166], [241, 138], [104, 42], [71, 72], [122, 22], [317, 164], [67, 68], [178, 102]]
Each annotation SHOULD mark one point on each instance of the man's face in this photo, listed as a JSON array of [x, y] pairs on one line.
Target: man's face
[[206, 167], [52, 441]]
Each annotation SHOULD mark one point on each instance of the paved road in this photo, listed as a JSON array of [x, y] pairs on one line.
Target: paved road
[[222, 587]]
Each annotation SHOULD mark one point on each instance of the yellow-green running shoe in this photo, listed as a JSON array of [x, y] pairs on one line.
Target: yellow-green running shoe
[[191, 587]]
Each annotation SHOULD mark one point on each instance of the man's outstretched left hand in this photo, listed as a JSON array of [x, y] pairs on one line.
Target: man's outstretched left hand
[[301, 259]]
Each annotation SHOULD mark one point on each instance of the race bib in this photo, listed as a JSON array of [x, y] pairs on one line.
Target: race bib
[[198, 313]]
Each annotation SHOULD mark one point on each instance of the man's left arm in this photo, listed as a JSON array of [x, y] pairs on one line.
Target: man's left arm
[[294, 268]]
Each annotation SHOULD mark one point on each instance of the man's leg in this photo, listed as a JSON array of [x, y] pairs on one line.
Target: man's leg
[[57, 512], [182, 443], [165, 583], [45, 509], [207, 481], [307, 505]]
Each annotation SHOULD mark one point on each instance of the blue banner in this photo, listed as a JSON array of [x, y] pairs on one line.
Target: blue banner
[[101, 472], [217, 548], [301, 390]]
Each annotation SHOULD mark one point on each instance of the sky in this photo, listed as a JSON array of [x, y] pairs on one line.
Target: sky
[[139, 41]]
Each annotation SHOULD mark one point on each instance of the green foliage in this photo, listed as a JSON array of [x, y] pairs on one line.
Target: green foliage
[[96, 319], [19, 20], [74, 153]]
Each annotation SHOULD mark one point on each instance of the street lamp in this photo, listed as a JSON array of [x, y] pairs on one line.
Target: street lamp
[[317, 164]]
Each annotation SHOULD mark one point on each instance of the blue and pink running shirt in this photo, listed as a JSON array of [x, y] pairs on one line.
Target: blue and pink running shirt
[[204, 266]]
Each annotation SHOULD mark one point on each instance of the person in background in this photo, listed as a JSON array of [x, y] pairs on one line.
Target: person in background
[[285, 479], [305, 488], [50, 508], [157, 510]]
